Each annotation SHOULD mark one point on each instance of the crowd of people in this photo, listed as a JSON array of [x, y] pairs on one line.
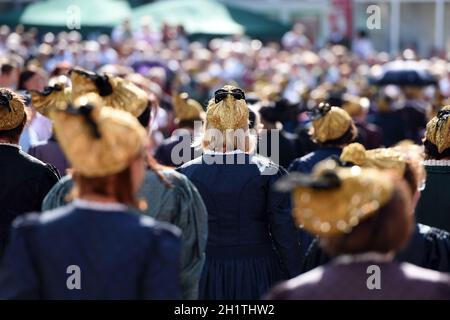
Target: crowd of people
[[165, 168]]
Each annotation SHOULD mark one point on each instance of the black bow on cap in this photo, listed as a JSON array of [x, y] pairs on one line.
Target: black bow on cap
[[221, 94], [5, 99], [101, 81], [48, 90], [320, 111], [86, 112], [328, 179], [443, 114]]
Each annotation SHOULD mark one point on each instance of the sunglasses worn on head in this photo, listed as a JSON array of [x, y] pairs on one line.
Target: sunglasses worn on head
[[221, 94]]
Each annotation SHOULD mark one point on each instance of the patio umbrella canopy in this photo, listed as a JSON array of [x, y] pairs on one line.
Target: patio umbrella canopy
[[10, 17], [93, 13], [404, 73], [208, 17]]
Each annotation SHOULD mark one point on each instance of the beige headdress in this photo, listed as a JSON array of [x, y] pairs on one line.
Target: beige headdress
[[98, 140], [381, 158], [115, 92], [52, 98], [186, 108], [329, 122], [438, 129], [355, 105], [333, 200], [227, 110], [12, 109]]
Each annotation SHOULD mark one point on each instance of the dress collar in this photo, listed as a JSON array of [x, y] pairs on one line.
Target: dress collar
[[11, 145], [363, 257], [99, 206], [437, 163], [223, 153]]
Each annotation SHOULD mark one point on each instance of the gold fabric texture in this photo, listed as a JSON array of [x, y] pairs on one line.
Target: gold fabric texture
[[186, 108], [12, 111], [438, 129], [228, 114], [328, 212], [354, 105], [381, 158], [121, 137], [56, 99], [332, 125], [124, 95]]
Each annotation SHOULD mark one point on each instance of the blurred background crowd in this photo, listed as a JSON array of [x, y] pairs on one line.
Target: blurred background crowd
[[286, 75]]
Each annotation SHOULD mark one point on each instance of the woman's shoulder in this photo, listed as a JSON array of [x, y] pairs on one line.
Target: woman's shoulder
[[159, 229], [297, 288], [169, 179], [65, 182], [433, 283], [36, 219], [266, 166], [163, 237], [432, 233]]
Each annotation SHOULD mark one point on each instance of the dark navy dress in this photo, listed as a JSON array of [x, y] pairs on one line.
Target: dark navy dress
[[119, 255], [306, 163], [252, 240]]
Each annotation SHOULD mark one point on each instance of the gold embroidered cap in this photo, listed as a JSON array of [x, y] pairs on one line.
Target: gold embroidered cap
[[355, 105], [98, 140], [381, 158], [186, 108], [12, 109], [333, 200], [438, 129], [55, 97], [329, 122], [227, 110], [115, 92]]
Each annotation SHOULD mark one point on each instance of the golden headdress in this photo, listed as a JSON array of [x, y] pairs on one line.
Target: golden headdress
[[186, 108], [98, 140], [381, 158], [329, 122], [115, 92], [355, 105], [12, 109], [333, 200], [438, 129], [55, 97], [227, 110]]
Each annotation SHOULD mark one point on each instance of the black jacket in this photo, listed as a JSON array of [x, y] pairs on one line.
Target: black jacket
[[24, 182], [433, 208]]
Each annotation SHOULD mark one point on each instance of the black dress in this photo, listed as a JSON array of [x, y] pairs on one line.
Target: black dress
[[177, 149], [252, 242], [24, 181]]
